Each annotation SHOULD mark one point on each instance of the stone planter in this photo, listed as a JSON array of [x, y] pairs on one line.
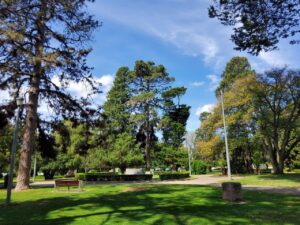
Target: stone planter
[[232, 191]]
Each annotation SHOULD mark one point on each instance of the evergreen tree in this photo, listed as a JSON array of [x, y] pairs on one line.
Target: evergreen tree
[[175, 117], [259, 24], [41, 40], [147, 83], [116, 108], [236, 68]]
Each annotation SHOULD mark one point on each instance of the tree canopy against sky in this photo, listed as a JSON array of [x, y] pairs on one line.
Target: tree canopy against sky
[[259, 25], [148, 81], [43, 48]]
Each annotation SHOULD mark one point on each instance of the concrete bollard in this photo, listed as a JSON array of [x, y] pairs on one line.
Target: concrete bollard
[[232, 191]]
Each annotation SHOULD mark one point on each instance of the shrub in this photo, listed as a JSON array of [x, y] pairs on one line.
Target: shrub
[[199, 167], [297, 165], [112, 177], [80, 176], [173, 175]]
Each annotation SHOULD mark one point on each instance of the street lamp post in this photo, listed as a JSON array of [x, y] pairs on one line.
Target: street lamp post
[[226, 141], [190, 154], [13, 152]]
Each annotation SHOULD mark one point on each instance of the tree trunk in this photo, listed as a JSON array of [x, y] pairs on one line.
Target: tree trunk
[[274, 161], [28, 137], [273, 157]]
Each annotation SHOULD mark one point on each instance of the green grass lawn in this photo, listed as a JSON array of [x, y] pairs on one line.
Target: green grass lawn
[[285, 180], [146, 204]]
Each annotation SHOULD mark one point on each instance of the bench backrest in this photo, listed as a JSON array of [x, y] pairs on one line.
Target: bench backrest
[[66, 182]]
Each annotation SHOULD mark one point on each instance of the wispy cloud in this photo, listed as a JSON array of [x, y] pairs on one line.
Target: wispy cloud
[[197, 83], [185, 25], [214, 81]]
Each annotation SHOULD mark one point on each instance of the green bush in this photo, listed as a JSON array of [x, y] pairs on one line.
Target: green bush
[[112, 177], [80, 176], [173, 175], [297, 165], [199, 167]]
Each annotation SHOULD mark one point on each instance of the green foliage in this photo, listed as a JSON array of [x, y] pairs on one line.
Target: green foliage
[[277, 113], [199, 167], [125, 152], [116, 110], [6, 136], [239, 111], [148, 82], [237, 67], [175, 116], [173, 175], [166, 156], [121, 152]]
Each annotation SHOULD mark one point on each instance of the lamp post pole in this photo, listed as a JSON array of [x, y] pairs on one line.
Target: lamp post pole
[[226, 141], [190, 169], [13, 153]]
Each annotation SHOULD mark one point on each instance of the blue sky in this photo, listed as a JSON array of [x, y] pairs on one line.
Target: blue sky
[[175, 33], [179, 35]]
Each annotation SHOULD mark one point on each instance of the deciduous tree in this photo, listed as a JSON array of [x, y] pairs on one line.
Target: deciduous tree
[[277, 111]]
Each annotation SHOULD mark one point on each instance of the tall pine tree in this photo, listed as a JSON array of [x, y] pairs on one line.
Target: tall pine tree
[[41, 40], [148, 82]]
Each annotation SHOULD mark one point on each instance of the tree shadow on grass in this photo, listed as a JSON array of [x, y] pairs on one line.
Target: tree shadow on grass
[[176, 204]]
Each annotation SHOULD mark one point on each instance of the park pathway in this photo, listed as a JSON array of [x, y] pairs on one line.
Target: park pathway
[[211, 180]]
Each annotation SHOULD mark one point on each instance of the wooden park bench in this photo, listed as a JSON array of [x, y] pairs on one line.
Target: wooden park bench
[[68, 183]]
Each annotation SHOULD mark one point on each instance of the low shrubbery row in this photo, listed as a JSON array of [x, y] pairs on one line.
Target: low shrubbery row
[[112, 177], [173, 175]]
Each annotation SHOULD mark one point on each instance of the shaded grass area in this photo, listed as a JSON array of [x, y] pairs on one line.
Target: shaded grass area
[[147, 204], [285, 180]]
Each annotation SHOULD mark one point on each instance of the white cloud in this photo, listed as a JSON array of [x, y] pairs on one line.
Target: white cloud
[[214, 81], [106, 81], [204, 108], [82, 89], [198, 83], [4, 96]]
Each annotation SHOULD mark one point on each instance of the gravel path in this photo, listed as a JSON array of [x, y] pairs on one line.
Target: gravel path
[[212, 180]]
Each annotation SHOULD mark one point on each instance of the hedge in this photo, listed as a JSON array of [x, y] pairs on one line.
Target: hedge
[[112, 177], [173, 175], [199, 167]]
